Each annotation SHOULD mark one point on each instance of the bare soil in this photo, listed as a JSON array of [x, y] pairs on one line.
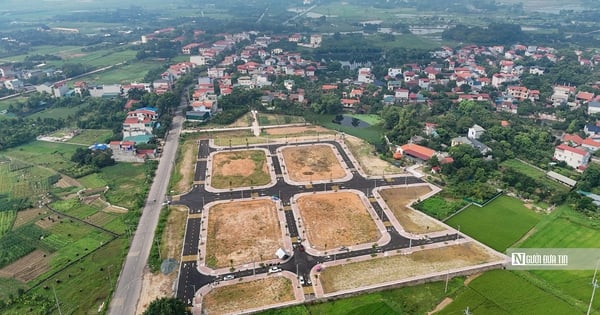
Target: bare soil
[[411, 220], [114, 209], [28, 267], [392, 268], [295, 130], [370, 163], [336, 219], [47, 222], [28, 216], [66, 181], [242, 232], [240, 168], [159, 285], [186, 165], [247, 295], [310, 163]]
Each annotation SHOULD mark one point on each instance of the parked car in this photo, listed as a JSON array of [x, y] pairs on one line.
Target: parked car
[[301, 279], [229, 277], [274, 269]]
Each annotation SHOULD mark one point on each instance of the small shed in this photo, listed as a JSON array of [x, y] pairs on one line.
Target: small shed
[[281, 254]]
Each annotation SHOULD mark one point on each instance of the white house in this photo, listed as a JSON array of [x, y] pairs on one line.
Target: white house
[[365, 75], [593, 108], [574, 157], [393, 72], [475, 132]]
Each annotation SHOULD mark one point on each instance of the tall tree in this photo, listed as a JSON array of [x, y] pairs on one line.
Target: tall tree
[[167, 306]]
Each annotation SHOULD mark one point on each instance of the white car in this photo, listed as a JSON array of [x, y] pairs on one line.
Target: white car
[[301, 279], [274, 269], [229, 277]]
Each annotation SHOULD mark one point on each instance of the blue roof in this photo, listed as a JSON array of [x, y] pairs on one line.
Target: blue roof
[[150, 109], [592, 128], [98, 146]]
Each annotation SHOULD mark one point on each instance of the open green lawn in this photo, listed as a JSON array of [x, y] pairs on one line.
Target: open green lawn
[[499, 224], [371, 134], [126, 180], [6, 220], [504, 292], [59, 112], [131, 72], [408, 300], [55, 156], [26, 182], [7, 102], [566, 228], [265, 119], [91, 136], [439, 207], [370, 119]]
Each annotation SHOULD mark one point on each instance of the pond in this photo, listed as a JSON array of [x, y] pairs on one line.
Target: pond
[[348, 122]]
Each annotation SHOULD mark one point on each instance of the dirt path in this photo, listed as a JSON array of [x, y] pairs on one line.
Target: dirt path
[[445, 302], [471, 278]]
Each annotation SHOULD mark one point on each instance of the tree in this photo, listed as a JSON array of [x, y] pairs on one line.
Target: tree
[[167, 306]]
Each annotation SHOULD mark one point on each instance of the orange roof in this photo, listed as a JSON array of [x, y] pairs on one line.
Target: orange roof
[[417, 151], [504, 123], [577, 151]]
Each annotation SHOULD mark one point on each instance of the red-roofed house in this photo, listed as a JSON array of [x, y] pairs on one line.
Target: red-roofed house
[[584, 97], [415, 151], [574, 157], [587, 143], [349, 103], [130, 104]]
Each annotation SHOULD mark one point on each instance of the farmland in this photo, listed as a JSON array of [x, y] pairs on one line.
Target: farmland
[[499, 224], [503, 292]]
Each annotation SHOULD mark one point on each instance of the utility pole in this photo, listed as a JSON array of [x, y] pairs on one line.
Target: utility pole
[[56, 299], [447, 276], [594, 286], [458, 232]]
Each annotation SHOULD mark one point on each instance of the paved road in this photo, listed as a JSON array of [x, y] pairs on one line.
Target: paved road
[[129, 286], [300, 262]]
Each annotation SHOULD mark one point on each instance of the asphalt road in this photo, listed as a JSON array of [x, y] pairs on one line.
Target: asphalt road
[[129, 286], [300, 262]]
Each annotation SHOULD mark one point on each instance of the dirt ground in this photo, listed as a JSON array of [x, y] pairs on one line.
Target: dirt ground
[[412, 221], [242, 232], [159, 285], [47, 222], [445, 302], [29, 215], [241, 296], [371, 164], [27, 268], [66, 181], [398, 267], [296, 130], [239, 168], [336, 219], [317, 162], [186, 165]]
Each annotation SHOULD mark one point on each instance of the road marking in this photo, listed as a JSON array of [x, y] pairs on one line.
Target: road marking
[[195, 216], [189, 258]]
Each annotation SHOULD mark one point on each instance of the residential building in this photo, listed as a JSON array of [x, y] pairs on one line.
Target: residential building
[[474, 143], [576, 158], [414, 151], [475, 132], [365, 76], [594, 107]]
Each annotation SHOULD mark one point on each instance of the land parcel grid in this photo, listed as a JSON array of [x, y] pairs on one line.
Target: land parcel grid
[[398, 200], [399, 267], [241, 232], [239, 169], [334, 219], [312, 163], [247, 295]]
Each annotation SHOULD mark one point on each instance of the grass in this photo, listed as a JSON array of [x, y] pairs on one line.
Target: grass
[[74, 208], [272, 119], [370, 119], [92, 181], [533, 173], [91, 136], [371, 134], [59, 112], [439, 207], [55, 156], [259, 175], [7, 218], [408, 300], [566, 228], [125, 181], [499, 224], [4, 104], [503, 292], [130, 72]]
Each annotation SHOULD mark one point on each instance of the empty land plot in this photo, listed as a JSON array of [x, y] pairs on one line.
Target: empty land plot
[[28, 216], [293, 132], [332, 220], [241, 232], [370, 163], [398, 267], [240, 169], [100, 218], [412, 221], [183, 175], [28, 267], [310, 163], [247, 295]]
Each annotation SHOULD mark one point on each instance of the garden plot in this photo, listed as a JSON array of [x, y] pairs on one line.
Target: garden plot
[[333, 220], [412, 221], [248, 295], [312, 163], [242, 232], [239, 169]]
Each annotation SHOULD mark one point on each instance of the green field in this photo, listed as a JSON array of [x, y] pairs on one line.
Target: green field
[[5, 103], [371, 134], [503, 292], [130, 72], [534, 173], [499, 224], [91, 136], [439, 207], [272, 119], [66, 113], [370, 119], [55, 156], [408, 300], [6, 220]]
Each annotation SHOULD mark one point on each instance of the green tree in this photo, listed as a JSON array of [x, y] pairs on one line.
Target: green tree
[[167, 306]]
